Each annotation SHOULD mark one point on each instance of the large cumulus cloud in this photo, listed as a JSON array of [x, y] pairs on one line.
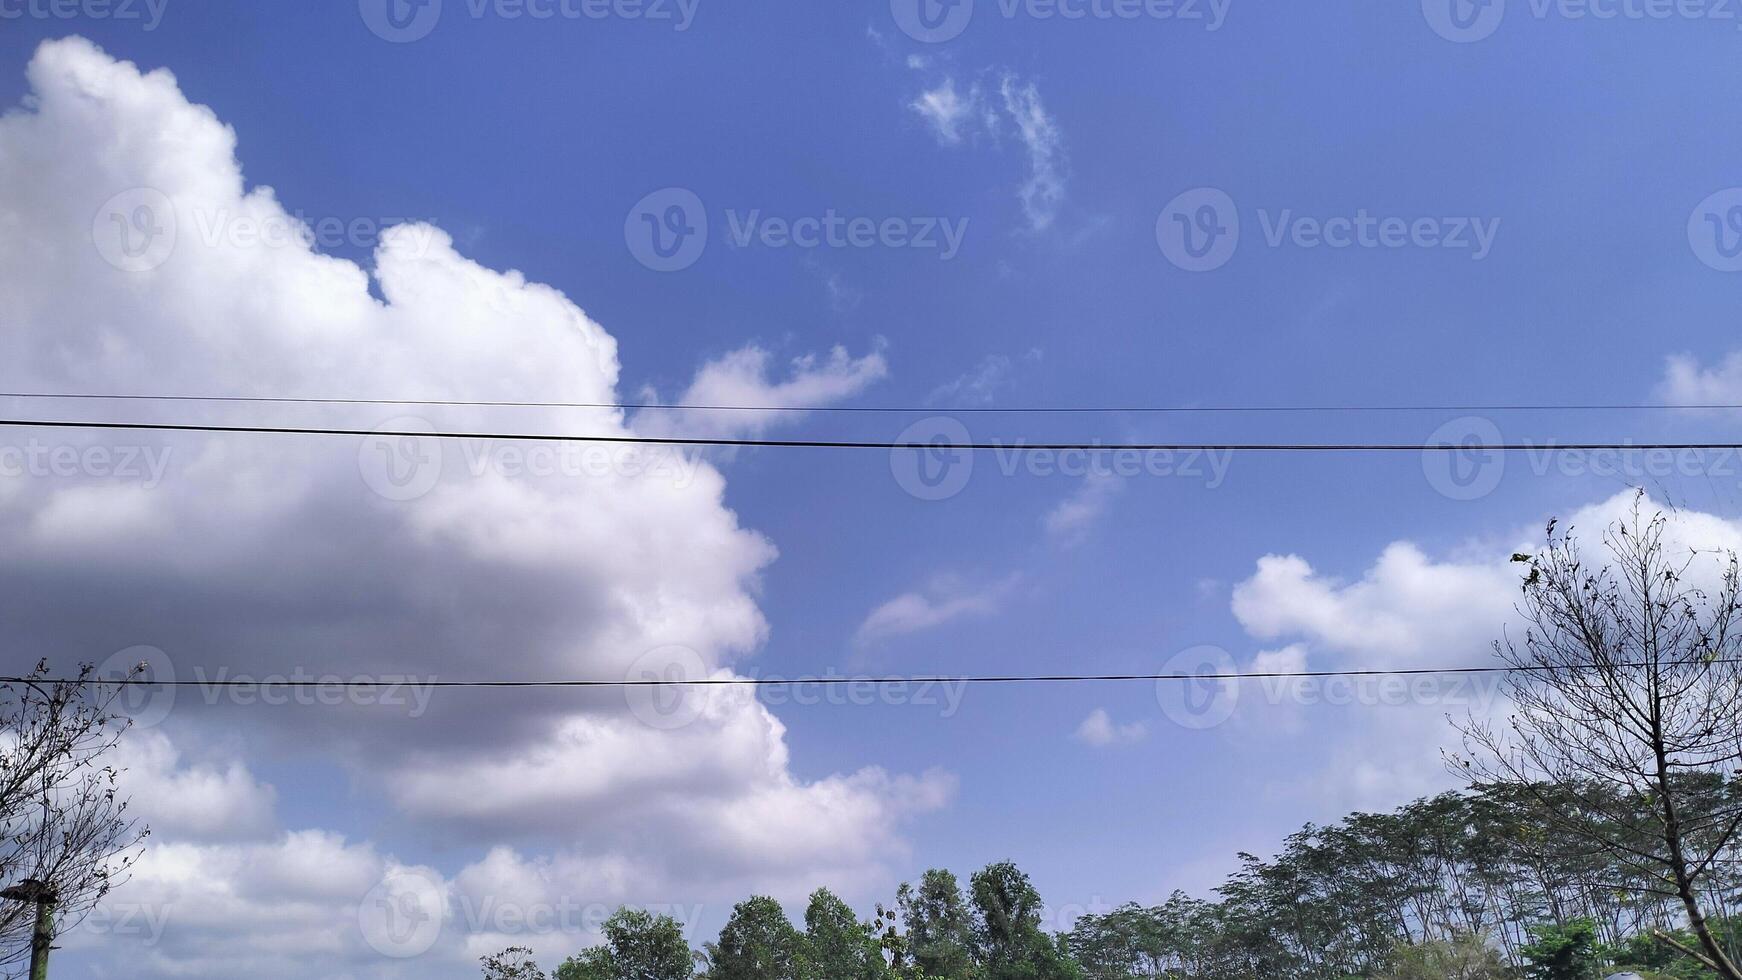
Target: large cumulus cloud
[[129, 262]]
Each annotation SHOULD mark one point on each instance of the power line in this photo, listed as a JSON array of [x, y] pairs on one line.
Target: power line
[[841, 680], [880, 409], [1018, 446]]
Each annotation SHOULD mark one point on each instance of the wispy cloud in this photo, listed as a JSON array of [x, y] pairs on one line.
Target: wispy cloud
[[1048, 167], [1069, 523], [980, 386], [952, 112], [1687, 382], [957, 114], [744, 378], [1100, 731], [943, 601]]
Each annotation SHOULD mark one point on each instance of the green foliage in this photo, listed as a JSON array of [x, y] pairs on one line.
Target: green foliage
[[1009, 943], [759, 943], [638, 946], [1650, 957], [513, 963], [1562, 952], [940, 938], [1467, 956], [593, 963], [841, 947]]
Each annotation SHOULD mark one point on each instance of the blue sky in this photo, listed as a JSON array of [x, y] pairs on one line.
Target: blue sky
[[1583, 144]]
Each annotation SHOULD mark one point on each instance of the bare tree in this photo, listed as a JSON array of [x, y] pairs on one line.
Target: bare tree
[[1627, 701], [63, 819]]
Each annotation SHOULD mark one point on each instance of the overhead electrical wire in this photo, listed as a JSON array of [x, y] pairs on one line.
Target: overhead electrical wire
[[1014, 446], [874, 409], [845, 680]]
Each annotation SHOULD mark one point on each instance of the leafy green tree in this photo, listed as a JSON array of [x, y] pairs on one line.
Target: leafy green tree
[[513, 963], [939, 929], [1009, 942], [1648, 955], [638, 946], [1562, 952], [1467, 956], [841, 947], [758, 943], [592, 963]]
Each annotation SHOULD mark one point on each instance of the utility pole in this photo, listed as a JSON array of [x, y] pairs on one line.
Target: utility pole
[[42, 895]]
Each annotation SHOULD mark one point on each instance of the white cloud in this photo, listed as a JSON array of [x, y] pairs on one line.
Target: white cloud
[[220, 801], [262, 555], [1069, 523], [1100, 731], [1044, 191], [950, 111], [1407, 610], [981, 385], [743, 378], [944, 600], [955, 115], [1686, 382]]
